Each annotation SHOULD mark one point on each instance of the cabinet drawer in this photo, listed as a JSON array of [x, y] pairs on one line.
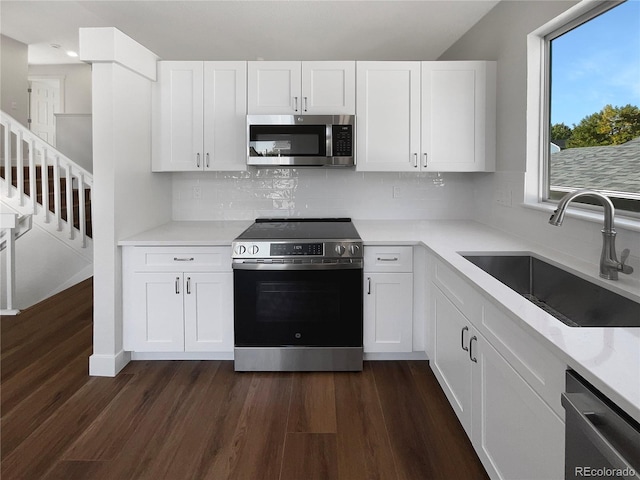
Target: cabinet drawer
[[459, 292], [388, 259], [179, 259]]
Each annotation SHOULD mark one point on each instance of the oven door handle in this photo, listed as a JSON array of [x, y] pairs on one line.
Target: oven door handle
[[593, 434], [355, 265]]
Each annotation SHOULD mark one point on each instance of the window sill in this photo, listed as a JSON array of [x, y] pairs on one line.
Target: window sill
[[627, 223]]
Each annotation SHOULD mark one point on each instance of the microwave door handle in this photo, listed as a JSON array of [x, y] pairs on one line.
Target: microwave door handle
[[329, 143]]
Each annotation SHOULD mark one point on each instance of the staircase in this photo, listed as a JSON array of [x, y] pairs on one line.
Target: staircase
[[37, 179]]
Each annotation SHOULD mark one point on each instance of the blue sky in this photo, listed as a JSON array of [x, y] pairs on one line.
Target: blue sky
[[597, 64]]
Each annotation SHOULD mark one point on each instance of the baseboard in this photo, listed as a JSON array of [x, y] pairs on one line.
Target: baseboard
[[382, 356], [108, 365]]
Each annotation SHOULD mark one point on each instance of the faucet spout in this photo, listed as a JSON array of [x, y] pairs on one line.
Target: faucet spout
[[609, 264]]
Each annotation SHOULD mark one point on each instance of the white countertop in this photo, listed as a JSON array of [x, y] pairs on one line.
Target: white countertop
[[609, 358], [210, 234]]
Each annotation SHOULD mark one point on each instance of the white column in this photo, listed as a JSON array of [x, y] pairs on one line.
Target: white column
[[127, 197]]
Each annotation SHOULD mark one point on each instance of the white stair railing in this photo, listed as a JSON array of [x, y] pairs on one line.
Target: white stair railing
[[27, 155]]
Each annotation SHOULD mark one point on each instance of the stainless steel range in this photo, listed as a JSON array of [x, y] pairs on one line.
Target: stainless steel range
[[298, 296]]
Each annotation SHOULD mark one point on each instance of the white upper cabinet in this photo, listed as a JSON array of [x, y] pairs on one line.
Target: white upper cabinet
[[313, 88], [426, 116], [200, 116], [388, 116], [458, 116]]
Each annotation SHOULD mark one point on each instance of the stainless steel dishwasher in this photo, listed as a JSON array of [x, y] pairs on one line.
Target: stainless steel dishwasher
[[601, 440]]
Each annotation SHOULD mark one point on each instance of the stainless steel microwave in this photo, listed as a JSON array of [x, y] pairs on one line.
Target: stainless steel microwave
[[301, 140]]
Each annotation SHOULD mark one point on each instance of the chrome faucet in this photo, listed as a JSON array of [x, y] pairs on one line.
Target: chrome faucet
[[609, 264]]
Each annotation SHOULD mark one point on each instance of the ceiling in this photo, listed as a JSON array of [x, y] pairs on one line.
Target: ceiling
[[249, 29]]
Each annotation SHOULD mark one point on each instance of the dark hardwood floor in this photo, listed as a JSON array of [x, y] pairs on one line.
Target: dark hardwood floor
[[201, 420]]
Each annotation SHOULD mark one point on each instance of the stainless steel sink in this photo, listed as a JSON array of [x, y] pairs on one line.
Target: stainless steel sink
[[571, 299]]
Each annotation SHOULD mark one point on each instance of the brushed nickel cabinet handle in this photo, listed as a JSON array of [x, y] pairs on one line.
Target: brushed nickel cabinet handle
[[473, 359], [426, 156], [415, 160], [183, 259], [368, 285], [188, 285], [177, 285], [198, 160], [465, 329]]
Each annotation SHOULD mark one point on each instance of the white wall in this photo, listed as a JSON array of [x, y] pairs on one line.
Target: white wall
[[316, 192], [13, 78], [502, 35], [44, 265]]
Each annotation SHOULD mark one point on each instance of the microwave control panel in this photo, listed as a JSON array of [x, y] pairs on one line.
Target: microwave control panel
[[342, 140]]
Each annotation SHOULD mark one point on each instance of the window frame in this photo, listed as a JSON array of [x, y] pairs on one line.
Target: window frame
[[539, 109]]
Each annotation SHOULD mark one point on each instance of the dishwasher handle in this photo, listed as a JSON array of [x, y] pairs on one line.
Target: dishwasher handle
[[594, 435]]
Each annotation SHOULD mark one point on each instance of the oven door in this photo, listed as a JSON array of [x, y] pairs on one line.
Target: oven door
[[319, 308]]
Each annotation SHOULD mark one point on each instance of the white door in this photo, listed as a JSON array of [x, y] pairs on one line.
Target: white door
[[208, 308], [45, 103], [225, 110], [451, 362], [156, 321], [388, 110], [457, 118], [515, 433], [274, 88], [329, 88], [179, 131], [388, 312]]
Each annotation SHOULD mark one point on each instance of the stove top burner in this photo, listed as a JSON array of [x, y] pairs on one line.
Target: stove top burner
[[300, 229]]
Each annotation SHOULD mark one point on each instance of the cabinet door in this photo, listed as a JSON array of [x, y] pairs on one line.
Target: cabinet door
[[515, 433], [451, 363], [329, 88], [178, 129], [388, 312], [225, 110], [458, 116], [388, 110], [208, 308], [274, 88], [154, 313]]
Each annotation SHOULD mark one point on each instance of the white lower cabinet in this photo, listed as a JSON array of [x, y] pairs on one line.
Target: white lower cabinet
[[177, 311], [515, 433], [388, 299], [388, 312], [514, 430]]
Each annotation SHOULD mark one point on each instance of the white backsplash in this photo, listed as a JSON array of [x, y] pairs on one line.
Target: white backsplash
[[311, 192]]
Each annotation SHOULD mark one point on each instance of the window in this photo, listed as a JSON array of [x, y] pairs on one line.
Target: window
[[593, 97]]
